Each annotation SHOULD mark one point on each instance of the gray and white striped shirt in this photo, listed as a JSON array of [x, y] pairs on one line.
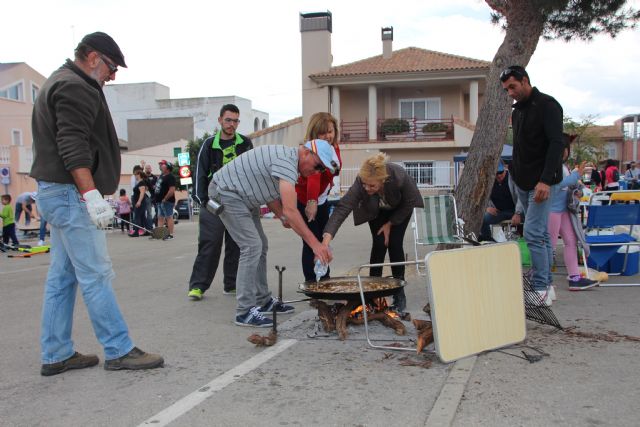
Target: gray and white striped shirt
[[255, 175]]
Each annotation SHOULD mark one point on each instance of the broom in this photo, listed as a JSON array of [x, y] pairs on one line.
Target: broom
[[158, 233]]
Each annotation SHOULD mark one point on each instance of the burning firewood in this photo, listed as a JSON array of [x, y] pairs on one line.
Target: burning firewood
[[325, 315], [344, 312], [263, 341], [425, 334], [383, 318]]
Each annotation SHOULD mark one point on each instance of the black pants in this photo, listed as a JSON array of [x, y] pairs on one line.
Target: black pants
[[395, 248], [9, 232], [316, 226], [126, 217], [140, 217], [212, 233]]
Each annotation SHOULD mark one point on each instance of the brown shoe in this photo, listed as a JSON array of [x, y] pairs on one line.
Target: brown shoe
[[77, 361], [135, 359]]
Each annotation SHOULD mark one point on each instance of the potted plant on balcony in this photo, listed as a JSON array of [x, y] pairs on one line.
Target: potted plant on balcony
[[394, 127], [435, 130]]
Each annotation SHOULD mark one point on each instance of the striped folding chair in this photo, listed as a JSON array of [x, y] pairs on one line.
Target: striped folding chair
[[436, 223]]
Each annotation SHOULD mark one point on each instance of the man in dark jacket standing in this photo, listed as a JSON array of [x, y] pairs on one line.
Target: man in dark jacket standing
[[214, 153], [76, 159], [536, 168]]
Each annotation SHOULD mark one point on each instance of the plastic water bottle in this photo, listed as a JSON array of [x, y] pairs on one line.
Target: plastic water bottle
[[320, 269]]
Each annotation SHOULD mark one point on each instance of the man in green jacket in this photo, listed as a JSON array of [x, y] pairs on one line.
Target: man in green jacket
[[76, 159]]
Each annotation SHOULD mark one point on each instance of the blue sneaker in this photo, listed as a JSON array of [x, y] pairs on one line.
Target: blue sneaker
[[280, 307], [254, 318]]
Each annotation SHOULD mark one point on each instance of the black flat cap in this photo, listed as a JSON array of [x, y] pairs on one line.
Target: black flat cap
[[103, 43]]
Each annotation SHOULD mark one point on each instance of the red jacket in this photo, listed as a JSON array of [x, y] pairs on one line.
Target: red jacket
[[311, 187]]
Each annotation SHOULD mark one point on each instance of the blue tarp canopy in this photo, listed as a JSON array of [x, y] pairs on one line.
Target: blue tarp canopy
[[507, 153]]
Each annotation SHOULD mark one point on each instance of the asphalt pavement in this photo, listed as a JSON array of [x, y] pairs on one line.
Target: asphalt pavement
[[214, 377]]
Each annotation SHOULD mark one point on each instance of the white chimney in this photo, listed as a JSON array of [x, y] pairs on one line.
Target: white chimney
[[387, 42], [315, 33]]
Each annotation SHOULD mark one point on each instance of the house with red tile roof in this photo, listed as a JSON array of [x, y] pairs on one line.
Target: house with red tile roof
[[417, 105]]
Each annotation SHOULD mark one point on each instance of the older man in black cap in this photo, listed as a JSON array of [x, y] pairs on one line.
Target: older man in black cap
[[76, 159]]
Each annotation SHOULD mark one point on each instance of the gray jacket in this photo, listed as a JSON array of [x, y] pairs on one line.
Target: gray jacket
[[72, 128], [400, 192]]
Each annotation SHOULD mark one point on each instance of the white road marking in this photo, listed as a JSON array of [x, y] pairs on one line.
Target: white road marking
[[192, 400]]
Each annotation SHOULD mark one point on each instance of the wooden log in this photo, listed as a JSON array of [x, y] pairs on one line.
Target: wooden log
[[383, 318], [325, 315], [344, 312], [425, 334]]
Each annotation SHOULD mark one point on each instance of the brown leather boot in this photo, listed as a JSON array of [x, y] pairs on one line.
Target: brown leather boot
[[135, 359], [77, 361]]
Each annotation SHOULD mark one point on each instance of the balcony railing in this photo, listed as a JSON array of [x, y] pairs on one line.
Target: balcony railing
[[396, 129]]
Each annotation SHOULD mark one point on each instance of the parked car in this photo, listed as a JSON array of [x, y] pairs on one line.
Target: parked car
[[182, 208]]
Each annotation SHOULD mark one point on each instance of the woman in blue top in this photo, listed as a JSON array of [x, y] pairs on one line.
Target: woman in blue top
[[560, 221]]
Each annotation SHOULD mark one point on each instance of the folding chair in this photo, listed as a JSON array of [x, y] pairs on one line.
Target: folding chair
[[605, 246], [436, 223]]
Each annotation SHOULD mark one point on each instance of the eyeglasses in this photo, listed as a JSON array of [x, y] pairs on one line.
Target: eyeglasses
[[234, 121], [320, 167], [511, 71], [112, 68]]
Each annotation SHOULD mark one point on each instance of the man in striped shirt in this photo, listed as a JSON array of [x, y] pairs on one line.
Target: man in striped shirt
[[266, 175]]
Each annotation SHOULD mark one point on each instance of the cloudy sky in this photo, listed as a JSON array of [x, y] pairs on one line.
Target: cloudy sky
[[251, 48]]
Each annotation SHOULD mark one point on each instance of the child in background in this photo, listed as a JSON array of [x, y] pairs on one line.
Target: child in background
[[560, 222], [124, 209], [8, 223]]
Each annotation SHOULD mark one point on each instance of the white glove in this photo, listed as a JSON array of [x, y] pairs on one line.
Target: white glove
[[100, 210]]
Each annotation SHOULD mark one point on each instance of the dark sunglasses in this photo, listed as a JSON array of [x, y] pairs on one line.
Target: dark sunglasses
[[511, 71], [320, 167], [112, 68]]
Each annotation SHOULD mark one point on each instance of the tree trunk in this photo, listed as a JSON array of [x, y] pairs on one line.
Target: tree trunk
[[525, 24]]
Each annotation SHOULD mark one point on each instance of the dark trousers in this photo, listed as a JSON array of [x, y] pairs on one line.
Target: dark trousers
[[395, 248], [140, 217], [488, 220], [210, 238], [317, 227], [126, 217], [9, 232]]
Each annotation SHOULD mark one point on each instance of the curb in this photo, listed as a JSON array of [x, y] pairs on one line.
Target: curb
[[446, 405]]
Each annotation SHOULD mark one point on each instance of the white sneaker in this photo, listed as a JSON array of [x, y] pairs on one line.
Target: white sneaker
[[40, 242], [552, 293], [545, 296]]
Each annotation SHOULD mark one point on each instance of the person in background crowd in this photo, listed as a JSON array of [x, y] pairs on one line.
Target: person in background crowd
[[215, 152], [24, 203], [151, 180], [124, 209], [313, 191], [631, 176], [536, 168], [8, 222], [139, 202], [164, 191], [560, 222], [503, 203], [76, 159], [266, 175], [383, 195], [611, 176]]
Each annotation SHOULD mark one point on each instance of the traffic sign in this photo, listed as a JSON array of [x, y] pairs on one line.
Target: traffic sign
[[186, 181], [184, 159], [185, 172]]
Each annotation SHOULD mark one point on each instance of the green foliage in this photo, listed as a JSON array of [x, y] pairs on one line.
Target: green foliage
[[394, 126], [576, 19], [435, 127], [586, 146]]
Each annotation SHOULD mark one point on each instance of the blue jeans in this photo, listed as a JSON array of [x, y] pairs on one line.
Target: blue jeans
[[536, 234], [78, 257], [488, 220]]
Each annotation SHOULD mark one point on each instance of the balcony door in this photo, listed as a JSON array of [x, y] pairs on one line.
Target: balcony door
[[420, 108]]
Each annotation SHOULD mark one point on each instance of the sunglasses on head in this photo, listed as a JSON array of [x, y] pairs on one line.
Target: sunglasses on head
[[511, 71]]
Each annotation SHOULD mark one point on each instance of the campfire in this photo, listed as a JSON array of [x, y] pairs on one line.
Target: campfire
[[338, 316]]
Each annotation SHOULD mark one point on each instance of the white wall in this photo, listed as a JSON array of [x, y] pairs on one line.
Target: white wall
[[152, 100]]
